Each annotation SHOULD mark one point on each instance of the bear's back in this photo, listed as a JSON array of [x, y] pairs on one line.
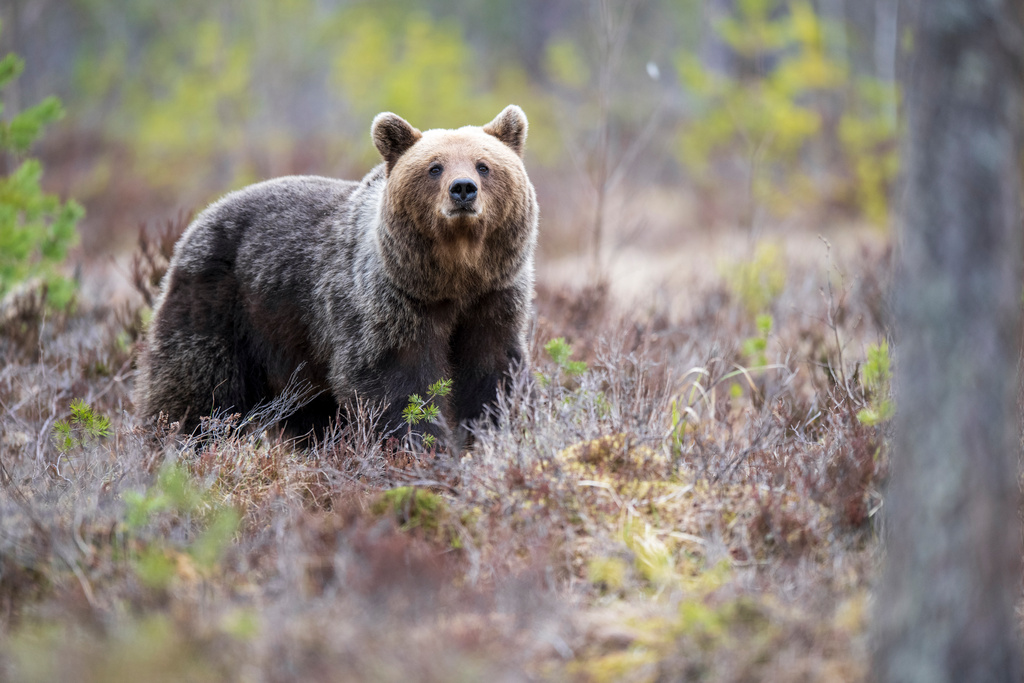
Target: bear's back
[[234, 318], [288, 213]]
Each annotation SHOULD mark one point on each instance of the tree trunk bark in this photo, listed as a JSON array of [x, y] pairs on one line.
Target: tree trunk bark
[[886, 39], [952, 574], [715, 53]]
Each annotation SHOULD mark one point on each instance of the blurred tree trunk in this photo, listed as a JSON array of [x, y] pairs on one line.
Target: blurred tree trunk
[[952, 576], [715, 53], [886, 39], [860, 24], [836, 43]]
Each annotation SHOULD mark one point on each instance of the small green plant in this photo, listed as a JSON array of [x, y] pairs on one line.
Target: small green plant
[[156, 562], [36, 229], [173, 490], [876, 377], [698, 395], [576, 399], [560, 351], [652, 557], [756, 348], [83, 427], [678, 421], [421, 409], [757, 283]]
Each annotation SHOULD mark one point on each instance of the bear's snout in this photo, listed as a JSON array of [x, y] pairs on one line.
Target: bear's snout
[[463, 192]]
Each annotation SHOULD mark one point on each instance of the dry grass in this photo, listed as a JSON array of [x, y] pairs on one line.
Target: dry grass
[[671, 513]]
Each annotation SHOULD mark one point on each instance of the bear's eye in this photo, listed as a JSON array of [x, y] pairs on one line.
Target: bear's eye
[[482, 169], [436, 169]]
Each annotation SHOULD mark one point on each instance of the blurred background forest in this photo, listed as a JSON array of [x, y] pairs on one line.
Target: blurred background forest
[[699, 492], [652, 122]]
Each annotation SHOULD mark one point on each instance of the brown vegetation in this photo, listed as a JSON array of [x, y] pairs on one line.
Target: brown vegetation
[[673, 512]]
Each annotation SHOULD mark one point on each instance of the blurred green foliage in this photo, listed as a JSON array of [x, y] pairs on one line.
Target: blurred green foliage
[[202, 97], [142, 647], [210, 90], [412, 508], [203, 104], [876, 378], [182, 96], [565, 64], [410, 65], [386, 58], [756, 348], [157, 562], [36, 228], [868, 140], [757, 282], [774, 118]]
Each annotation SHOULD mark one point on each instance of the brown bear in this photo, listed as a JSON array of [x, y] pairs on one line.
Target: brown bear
[[421, 271]]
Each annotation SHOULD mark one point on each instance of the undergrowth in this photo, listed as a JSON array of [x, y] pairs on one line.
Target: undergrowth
[[661, 500]]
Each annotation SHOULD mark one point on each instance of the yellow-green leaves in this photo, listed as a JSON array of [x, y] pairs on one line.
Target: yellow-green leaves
[[193, 102], [768, 118], [757, 282], [565, 64], [157, 563], [876, 377]]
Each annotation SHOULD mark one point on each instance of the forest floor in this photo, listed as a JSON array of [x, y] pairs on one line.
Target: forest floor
[[698, 502]]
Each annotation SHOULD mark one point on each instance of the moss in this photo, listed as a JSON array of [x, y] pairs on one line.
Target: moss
[[607, 572], [420, 511], [617, 454], [412, 508]]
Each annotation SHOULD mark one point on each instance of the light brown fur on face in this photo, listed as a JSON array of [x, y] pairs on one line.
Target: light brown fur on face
[[456, 232], [464, 244]]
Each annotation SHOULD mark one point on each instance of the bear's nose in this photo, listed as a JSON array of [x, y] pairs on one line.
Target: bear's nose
[[462, 190]]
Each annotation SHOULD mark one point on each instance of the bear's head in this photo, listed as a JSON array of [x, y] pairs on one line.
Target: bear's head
[[458, 198]]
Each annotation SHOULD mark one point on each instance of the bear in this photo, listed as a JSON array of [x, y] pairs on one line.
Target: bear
[[370, 290]]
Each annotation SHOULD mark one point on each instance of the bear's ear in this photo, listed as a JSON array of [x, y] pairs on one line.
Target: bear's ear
[[393, 136], [510, 127]]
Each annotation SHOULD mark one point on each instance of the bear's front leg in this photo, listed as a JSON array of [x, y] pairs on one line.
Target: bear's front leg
[[486, 343], [391, 376]]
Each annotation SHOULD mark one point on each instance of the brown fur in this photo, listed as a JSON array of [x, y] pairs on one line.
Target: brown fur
[[380, 287]]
